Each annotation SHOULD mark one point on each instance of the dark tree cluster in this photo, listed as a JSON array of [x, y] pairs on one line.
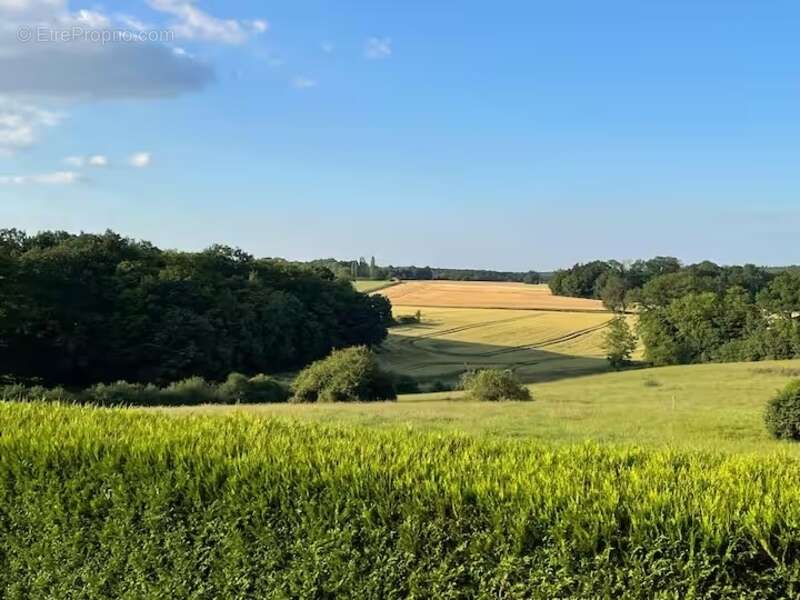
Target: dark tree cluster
[[81, 309]]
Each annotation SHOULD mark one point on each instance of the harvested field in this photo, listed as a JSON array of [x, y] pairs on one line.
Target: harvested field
[[536, 345], [458, 294]]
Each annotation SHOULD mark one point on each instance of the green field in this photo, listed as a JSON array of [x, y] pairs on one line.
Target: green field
[[708, 407], [111, 503]]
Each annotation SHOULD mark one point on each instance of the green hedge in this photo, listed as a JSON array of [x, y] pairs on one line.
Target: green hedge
[[194, 391], [123, 504]]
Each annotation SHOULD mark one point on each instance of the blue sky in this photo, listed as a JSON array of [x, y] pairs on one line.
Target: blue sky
[[507, 135]]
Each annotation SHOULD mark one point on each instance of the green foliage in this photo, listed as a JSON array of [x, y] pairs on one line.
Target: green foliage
[[263, 389], [619, 343], [82, 309], [494, 385], [350, 375], [782, 416], [113, 504], [121, 393], [405, 384], [193, 391]]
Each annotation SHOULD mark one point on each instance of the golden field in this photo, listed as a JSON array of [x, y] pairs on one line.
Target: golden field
[[470, 294], [475, 325]]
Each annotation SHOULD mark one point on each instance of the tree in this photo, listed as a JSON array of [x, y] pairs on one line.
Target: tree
[[613, 291], [82, 309], [619, 343]]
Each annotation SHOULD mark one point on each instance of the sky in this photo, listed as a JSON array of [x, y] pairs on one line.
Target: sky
[[505, 135]]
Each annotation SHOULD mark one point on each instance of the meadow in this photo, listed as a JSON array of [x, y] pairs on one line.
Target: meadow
[[715, 407]]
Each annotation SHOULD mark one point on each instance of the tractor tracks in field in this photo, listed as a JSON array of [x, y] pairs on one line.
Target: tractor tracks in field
[[488, 355]]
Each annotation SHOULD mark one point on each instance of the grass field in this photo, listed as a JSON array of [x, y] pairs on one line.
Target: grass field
[[708, 407]]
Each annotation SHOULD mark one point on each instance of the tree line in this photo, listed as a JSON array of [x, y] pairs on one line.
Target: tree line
[[697, 313], [363, 269], [82, 309]]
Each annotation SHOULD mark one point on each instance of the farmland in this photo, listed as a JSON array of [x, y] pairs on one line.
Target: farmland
[[367, 286], [134, 505], [469, 325], [462, 294]]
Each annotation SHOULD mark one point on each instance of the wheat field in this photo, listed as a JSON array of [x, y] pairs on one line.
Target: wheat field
[[470, 294], [475, 325]]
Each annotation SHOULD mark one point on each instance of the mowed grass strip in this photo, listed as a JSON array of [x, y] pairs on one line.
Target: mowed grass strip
[[123, 504], [705, 407], [459, 294]]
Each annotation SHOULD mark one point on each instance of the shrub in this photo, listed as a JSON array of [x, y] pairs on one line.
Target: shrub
[[405, 384], [234, 390], [440, 386], [350, 375], [20, 393], [265, 389], [494, 385], [783, 413], [121, 393], [191, 391]]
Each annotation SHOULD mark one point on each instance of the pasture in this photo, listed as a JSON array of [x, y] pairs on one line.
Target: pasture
[[709, 407]]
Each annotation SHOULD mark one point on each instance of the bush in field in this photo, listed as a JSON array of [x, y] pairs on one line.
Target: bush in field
[[350, 375], [494, 385], [783, 413], [405, 384], [191, 391], [264, 389], [121, 393], [619, 342], [20, 393], [234, 390]]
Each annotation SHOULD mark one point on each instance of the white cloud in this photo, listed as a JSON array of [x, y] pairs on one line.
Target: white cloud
[[259, 26], [303, 83], [83, 67], [90, 18], [57, 178], [32, 8], [141, 160], [98, 160], [21, 123], [195, 24], [75, 161], [377, 48]]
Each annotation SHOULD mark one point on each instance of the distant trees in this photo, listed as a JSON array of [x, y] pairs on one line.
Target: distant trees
[[361, 269], [81, 309]]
